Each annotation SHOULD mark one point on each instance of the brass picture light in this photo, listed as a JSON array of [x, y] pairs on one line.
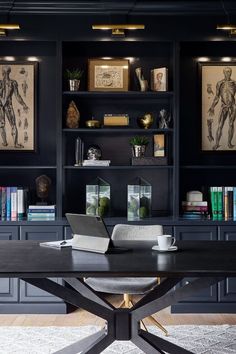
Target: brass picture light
[[118, 29]]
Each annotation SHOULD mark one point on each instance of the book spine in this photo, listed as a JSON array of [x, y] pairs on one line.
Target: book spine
[[41, 211], [220, 203], [41, 215], [14, 203], [20, 203], [226, 207], [213, 193], [230, 202], [234, 202], [41, 207], [0, 201], [8, 204], [195, 208], [4, 199], [204, 203]]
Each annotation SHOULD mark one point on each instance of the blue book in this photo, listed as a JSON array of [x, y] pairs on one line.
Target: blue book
[[234, 204]]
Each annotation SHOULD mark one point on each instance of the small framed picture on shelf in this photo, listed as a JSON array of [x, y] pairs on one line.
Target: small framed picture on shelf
[[159, 145], [218, 109], [18, 82], [108, 74], [159, 79]]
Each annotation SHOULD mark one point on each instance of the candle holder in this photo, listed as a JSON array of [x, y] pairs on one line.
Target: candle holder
[[79, 152]]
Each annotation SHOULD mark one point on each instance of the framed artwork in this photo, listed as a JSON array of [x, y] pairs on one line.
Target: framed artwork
[[18, 106], [218, 108], [159, 145], [108, 75], [159, 79]]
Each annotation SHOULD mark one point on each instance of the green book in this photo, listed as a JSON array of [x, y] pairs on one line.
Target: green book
[[220, 203], [214, 203]]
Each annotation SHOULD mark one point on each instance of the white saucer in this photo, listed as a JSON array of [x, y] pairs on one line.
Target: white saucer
[[171, 249]]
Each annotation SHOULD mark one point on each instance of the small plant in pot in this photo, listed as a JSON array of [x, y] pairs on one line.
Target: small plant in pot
[[74, 77], [139, 144]]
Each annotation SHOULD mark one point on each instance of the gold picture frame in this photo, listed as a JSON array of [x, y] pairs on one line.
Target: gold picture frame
[[108, 75]]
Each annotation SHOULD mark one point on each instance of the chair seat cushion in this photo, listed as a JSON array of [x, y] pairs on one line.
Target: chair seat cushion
[[122, 285]]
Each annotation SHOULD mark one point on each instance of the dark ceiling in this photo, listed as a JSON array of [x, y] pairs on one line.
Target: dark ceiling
[[130, 7]]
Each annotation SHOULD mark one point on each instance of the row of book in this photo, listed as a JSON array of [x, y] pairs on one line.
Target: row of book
[[13, 203], [223, 203]]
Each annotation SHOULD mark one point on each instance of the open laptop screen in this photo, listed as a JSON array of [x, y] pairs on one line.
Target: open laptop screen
[[90, 233]]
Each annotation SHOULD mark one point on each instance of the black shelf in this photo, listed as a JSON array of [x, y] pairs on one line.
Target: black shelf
[[11, 167], [122, 130], [209, 167], [127, 94], [116, 167]]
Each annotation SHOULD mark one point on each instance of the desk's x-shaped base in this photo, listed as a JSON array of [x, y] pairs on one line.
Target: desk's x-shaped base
[[123, 324]]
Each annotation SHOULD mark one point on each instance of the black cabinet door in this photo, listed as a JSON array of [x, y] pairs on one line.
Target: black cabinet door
[[8, 286], [30, 293], [204, 233], [227, 287]]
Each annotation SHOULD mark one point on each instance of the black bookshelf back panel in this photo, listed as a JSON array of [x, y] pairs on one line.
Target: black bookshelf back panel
[[114, 146], [45, 54], [147, 55], [161, 181], [190, 103], [22, 178], [134, 107], [203, 179]]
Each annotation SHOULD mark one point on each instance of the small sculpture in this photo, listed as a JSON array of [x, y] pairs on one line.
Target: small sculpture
[[145, 121], [72, 116], [142, 82], [165, 118], [94, 152], [43, 184]]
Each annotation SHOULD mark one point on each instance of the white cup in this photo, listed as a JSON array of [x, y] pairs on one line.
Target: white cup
[[165, 242]]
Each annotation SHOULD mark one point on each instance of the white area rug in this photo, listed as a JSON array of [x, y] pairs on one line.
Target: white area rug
[[45, 340]]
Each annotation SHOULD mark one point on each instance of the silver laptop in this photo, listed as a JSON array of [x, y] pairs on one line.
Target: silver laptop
[[89, 233]]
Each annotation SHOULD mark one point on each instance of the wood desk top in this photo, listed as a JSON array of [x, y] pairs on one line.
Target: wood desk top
[[194, 258]]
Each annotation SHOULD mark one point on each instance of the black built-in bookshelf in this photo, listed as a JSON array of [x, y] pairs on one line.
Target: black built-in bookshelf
[[188, 169]]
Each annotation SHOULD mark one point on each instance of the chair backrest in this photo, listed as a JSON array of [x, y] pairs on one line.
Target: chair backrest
[[136, 236]]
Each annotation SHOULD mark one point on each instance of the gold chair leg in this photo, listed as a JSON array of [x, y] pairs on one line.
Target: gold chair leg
[[158, 325]]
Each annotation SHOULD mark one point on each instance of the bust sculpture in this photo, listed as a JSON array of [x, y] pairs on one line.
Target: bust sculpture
[[43, 184]]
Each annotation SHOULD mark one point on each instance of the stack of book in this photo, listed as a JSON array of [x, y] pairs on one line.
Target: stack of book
[[13, 203], [41, 212], [111, 120], [96, 162], [223, 203], [195, 210], [194, 207]]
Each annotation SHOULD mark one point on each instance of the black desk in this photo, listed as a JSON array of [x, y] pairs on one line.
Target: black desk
[[210, 262]]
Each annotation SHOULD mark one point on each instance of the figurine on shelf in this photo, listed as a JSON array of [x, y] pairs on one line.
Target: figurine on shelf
[[43, 184], [142, 82], [165, 119], [145, 121], [72, 116]]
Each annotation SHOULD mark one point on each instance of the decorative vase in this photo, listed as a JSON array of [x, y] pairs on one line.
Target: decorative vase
[[74, 84], [138, 150]]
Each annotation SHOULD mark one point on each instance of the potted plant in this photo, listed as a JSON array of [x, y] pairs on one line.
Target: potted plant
[[74, 77], [139, 144]]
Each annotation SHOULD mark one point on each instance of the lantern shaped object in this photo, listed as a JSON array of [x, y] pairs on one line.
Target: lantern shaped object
[[139, 198], [98, 195]]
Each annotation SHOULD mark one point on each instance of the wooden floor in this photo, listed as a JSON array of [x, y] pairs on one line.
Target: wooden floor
[[82, 318]]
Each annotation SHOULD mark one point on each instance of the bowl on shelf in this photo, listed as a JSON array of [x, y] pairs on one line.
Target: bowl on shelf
[[93, 123]]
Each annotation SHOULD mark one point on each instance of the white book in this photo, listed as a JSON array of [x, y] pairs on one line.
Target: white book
[[41, 206], [57, 244]]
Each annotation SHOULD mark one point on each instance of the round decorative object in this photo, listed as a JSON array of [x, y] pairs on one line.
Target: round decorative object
[[146, 121], [92, 123], [94, 152]]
